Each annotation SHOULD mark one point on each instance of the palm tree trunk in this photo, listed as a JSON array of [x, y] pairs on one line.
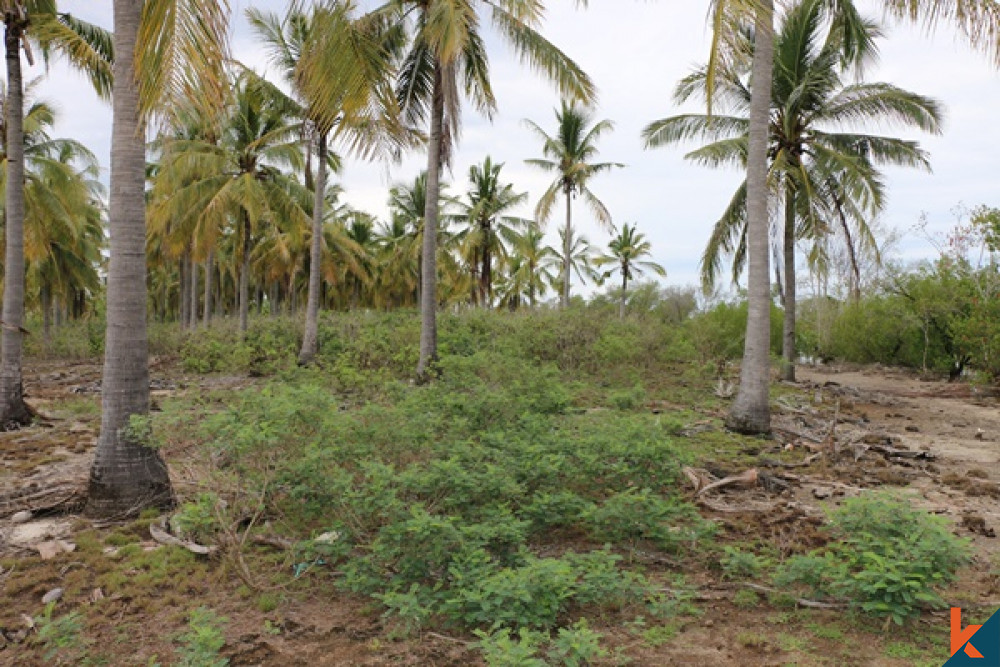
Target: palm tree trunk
[[182, 289], [567, 247], [209, 268], [621, 304], [788, 347], [428, 264], [126, 475], [310, 339], [245, 276], [13, 411], [193, 294], [46, 297], [750, 412], [486, 274]]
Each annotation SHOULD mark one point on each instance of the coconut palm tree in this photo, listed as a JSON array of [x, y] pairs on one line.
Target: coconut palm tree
[[576, 255], [568, 155], [178, 58], [530, 266], [359, 109], [488, 199], [627, 252], [977, 20], [203, 186], [88, 49], [446, 56], [824, 174]]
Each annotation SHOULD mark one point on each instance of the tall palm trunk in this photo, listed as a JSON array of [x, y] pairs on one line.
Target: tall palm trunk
[[126, 475], [567, 247], [750, 412], [209, 268], [310, 339], [193, 294], [788, 340], [486, 272], [13, 411], [245, 276], [46, 297], [621, 304], [428, 263]]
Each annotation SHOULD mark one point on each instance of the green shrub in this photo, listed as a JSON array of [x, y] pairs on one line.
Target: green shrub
[[201, 644], [739, 564], [886, 558]]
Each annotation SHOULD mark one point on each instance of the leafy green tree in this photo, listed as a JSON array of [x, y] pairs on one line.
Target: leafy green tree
[[569, 155], [626, 256]]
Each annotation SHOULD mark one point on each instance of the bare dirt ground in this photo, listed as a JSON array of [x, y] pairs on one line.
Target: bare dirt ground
[[839, 432]]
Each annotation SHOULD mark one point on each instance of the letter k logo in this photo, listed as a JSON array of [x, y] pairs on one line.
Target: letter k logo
[[959, 637]]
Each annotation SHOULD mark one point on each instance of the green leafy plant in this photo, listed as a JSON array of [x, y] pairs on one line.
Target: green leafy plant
[[886, 558], [200, 645]]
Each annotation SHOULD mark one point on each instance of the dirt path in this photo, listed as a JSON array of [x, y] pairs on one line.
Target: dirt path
[[957, 424]]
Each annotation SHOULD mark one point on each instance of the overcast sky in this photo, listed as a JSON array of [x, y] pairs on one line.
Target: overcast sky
[[636, 52]]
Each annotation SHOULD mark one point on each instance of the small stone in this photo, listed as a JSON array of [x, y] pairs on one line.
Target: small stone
[[821, 493], [913, 429], [52, 596], [23, 516]]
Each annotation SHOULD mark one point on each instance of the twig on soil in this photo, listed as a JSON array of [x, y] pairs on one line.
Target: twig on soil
[[747, 478], [802, 602], [454, 640]]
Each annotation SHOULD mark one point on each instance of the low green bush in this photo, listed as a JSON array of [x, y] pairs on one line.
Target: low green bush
[[885, 558]]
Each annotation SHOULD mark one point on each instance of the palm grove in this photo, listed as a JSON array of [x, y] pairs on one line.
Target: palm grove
[[230, 206]]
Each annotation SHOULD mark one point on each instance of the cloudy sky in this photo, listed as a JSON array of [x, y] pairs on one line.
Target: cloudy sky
[[636, 52]]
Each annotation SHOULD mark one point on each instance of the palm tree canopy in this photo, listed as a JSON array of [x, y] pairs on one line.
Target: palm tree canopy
[[814, 114], [569, 154]]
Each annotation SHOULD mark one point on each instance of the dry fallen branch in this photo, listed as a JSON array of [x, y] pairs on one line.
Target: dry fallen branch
[[802, 602], [160, 534], [747, 479]]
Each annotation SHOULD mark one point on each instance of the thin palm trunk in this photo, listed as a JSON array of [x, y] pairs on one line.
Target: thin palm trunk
[[244, 297], [209, 268], [567, 247], [310, 339], [193, 294], [621, 304], [788, 340], [127, 475], [428, 263], [750, 412], [486, 272], [46, 297], [13, 411]]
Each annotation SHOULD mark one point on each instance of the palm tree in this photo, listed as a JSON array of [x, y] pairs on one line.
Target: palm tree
[[446, 53], [825, 177], [88, 49], [127, 475], [977, 20], [360, 108], [203, 185], [568, 155], [486, 225], [530, 267], [627, 252], [575, 255]]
